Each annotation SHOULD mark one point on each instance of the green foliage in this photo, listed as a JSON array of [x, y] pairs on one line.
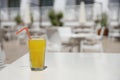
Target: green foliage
[[59, 15], [97, 21], [54, 22], [55, 18], [52, 15], [18, 19], [104, 20]]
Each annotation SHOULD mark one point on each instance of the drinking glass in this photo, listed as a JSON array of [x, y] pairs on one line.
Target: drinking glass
[[37, 48]]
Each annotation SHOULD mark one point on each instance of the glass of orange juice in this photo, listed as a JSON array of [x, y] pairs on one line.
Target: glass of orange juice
[[37, 48]]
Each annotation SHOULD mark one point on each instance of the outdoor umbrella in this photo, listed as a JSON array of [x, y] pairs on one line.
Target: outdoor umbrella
[[25, 12], [82, 13]]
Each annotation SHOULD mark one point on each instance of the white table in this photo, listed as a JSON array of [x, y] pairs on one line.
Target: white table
[[80, 36], [82, 30], [69, 66]]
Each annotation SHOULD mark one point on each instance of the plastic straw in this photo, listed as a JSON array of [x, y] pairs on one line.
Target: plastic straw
[[26, 29]]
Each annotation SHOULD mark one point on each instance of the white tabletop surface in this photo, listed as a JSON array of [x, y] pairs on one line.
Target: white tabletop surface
[[82, 35], [67, 66]]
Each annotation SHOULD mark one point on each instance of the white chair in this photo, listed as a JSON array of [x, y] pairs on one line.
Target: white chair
[[83, 29], [100, 37], [2, 57], [114, 31], [65, 34], [95, 35], [2, 53], [94, 44], [53, 40], [22, 38]]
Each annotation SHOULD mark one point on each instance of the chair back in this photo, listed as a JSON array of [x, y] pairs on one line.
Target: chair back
[[53, 40], [64, 31], [53, 35]]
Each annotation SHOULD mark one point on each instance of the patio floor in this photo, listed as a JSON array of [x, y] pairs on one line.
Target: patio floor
[[14, 50]]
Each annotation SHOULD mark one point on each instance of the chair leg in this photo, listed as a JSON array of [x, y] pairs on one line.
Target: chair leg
[[2, 59], [101, 49], [81, 49]]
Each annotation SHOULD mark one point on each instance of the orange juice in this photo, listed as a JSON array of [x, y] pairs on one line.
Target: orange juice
[[37, 53]]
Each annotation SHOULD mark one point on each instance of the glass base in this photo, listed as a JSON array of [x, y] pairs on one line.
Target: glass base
[[39, 69]]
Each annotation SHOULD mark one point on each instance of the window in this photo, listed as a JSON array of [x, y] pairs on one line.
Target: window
[[70, 2], [0, 3], [78, 2], [114, 1], [13, 3], [86, 2], [46, 2]]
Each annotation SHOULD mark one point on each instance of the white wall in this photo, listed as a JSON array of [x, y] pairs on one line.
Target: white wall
[[104, 4], [3, 3], [4, 9], [59, 5], [97, 11]]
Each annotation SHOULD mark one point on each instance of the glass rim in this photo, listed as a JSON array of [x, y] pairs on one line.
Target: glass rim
[[38, 37]]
